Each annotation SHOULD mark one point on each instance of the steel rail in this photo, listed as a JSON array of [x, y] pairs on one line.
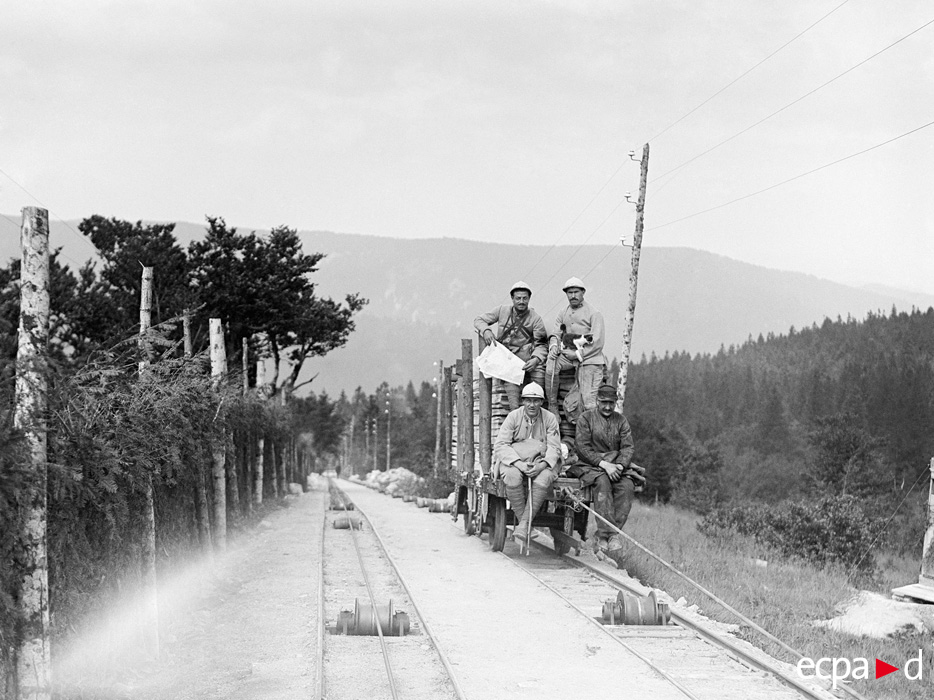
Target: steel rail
[[648, 662], [421, 618], [369, 590], [702, 631], [794, 652]]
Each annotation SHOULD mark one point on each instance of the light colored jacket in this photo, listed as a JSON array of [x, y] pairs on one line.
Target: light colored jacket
[[526, 339], [517, 427], [583, 320]]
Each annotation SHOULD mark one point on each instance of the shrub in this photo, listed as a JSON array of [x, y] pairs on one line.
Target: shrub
[[832, 530]]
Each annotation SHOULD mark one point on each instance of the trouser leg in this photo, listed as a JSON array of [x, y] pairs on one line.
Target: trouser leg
[[512, 395], [514, 481], [603, 505], [589, 378], [623, 496]]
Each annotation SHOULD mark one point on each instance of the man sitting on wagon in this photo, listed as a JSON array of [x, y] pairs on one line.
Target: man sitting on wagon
[[604, 446], [528, 446], [523, 332]]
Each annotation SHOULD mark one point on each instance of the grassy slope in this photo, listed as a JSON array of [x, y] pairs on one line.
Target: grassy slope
[[784, 598]]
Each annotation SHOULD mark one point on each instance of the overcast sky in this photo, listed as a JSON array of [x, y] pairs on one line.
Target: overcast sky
[[494, 121]]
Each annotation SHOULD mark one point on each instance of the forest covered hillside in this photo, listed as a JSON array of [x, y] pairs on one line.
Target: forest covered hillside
[[846, 407]]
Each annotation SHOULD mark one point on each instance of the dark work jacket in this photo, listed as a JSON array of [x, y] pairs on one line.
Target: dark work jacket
[[600, 438]]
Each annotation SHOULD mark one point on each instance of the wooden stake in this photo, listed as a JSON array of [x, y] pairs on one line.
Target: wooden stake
[[439, 410], [186, 330], [633, 282], [245, 365], [485, 429], [447, 407], [150, 586], [218, 446], [33, 660], [467, 355]]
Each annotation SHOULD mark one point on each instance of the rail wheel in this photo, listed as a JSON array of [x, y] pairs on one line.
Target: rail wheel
[[497, 516], [560, 547], [470, 516]]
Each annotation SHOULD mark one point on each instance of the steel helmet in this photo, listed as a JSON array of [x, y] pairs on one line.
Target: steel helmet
[[574, 282], [520, 285], [533, 391]]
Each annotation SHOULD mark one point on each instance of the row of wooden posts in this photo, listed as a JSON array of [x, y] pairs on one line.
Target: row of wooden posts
[[33, 659]]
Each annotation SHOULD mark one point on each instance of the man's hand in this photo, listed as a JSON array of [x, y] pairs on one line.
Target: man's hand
[[488, 336], [614, 471], [537, 468], [553, 351], [522, 466], [530, 364], [570, 354]]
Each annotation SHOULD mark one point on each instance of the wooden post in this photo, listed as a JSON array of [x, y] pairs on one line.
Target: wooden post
[[459, 405], [439, 415], [186, 333], [467, 356], [633, 282], [245, 366], [218, 447], [448, 408], [150, 587], [33, 658], [486, 422]]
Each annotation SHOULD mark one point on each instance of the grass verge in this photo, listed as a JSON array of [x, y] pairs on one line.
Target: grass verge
[[785, 597]]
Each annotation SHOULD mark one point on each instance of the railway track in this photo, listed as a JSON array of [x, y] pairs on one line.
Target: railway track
[[686, 659], [698, 660], [373, 642]]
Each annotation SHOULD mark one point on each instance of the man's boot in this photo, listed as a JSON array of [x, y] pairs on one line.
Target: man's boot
[[516, 496], [539, 494]]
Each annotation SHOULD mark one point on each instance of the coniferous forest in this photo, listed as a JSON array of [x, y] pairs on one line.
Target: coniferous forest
[[845, 408]]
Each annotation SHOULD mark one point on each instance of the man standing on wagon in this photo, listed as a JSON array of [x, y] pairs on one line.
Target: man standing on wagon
[[604, 445], [528, 447], [523, 332], [577, 341]]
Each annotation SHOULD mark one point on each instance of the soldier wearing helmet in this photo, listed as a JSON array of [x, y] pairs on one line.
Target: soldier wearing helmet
[[577, 341], [527, 451], [522, 331]]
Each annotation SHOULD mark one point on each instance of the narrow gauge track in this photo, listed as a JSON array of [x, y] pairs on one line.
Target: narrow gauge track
[[701, 663], [357, 574]]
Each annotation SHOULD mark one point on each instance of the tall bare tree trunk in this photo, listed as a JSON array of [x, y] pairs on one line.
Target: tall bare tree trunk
[[201, 492], [218, 445], [33, 659]]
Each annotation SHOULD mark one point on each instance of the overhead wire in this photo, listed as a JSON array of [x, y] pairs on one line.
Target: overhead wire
[[792, 179], [54, 215], [666, 129], [795, 101], [749, 70], [751, 194]]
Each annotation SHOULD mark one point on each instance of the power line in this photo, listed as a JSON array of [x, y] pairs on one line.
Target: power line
[[796, 101], [792, 179], [56, 216], [616, 172], [748, 71], [579, 215]]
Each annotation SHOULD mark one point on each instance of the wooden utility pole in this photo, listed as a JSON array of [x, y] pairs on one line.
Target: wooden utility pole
[[150, 589], [33, 659], [218, 446], [245, 366], [485, 418], [439, 429], [633, 282]]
